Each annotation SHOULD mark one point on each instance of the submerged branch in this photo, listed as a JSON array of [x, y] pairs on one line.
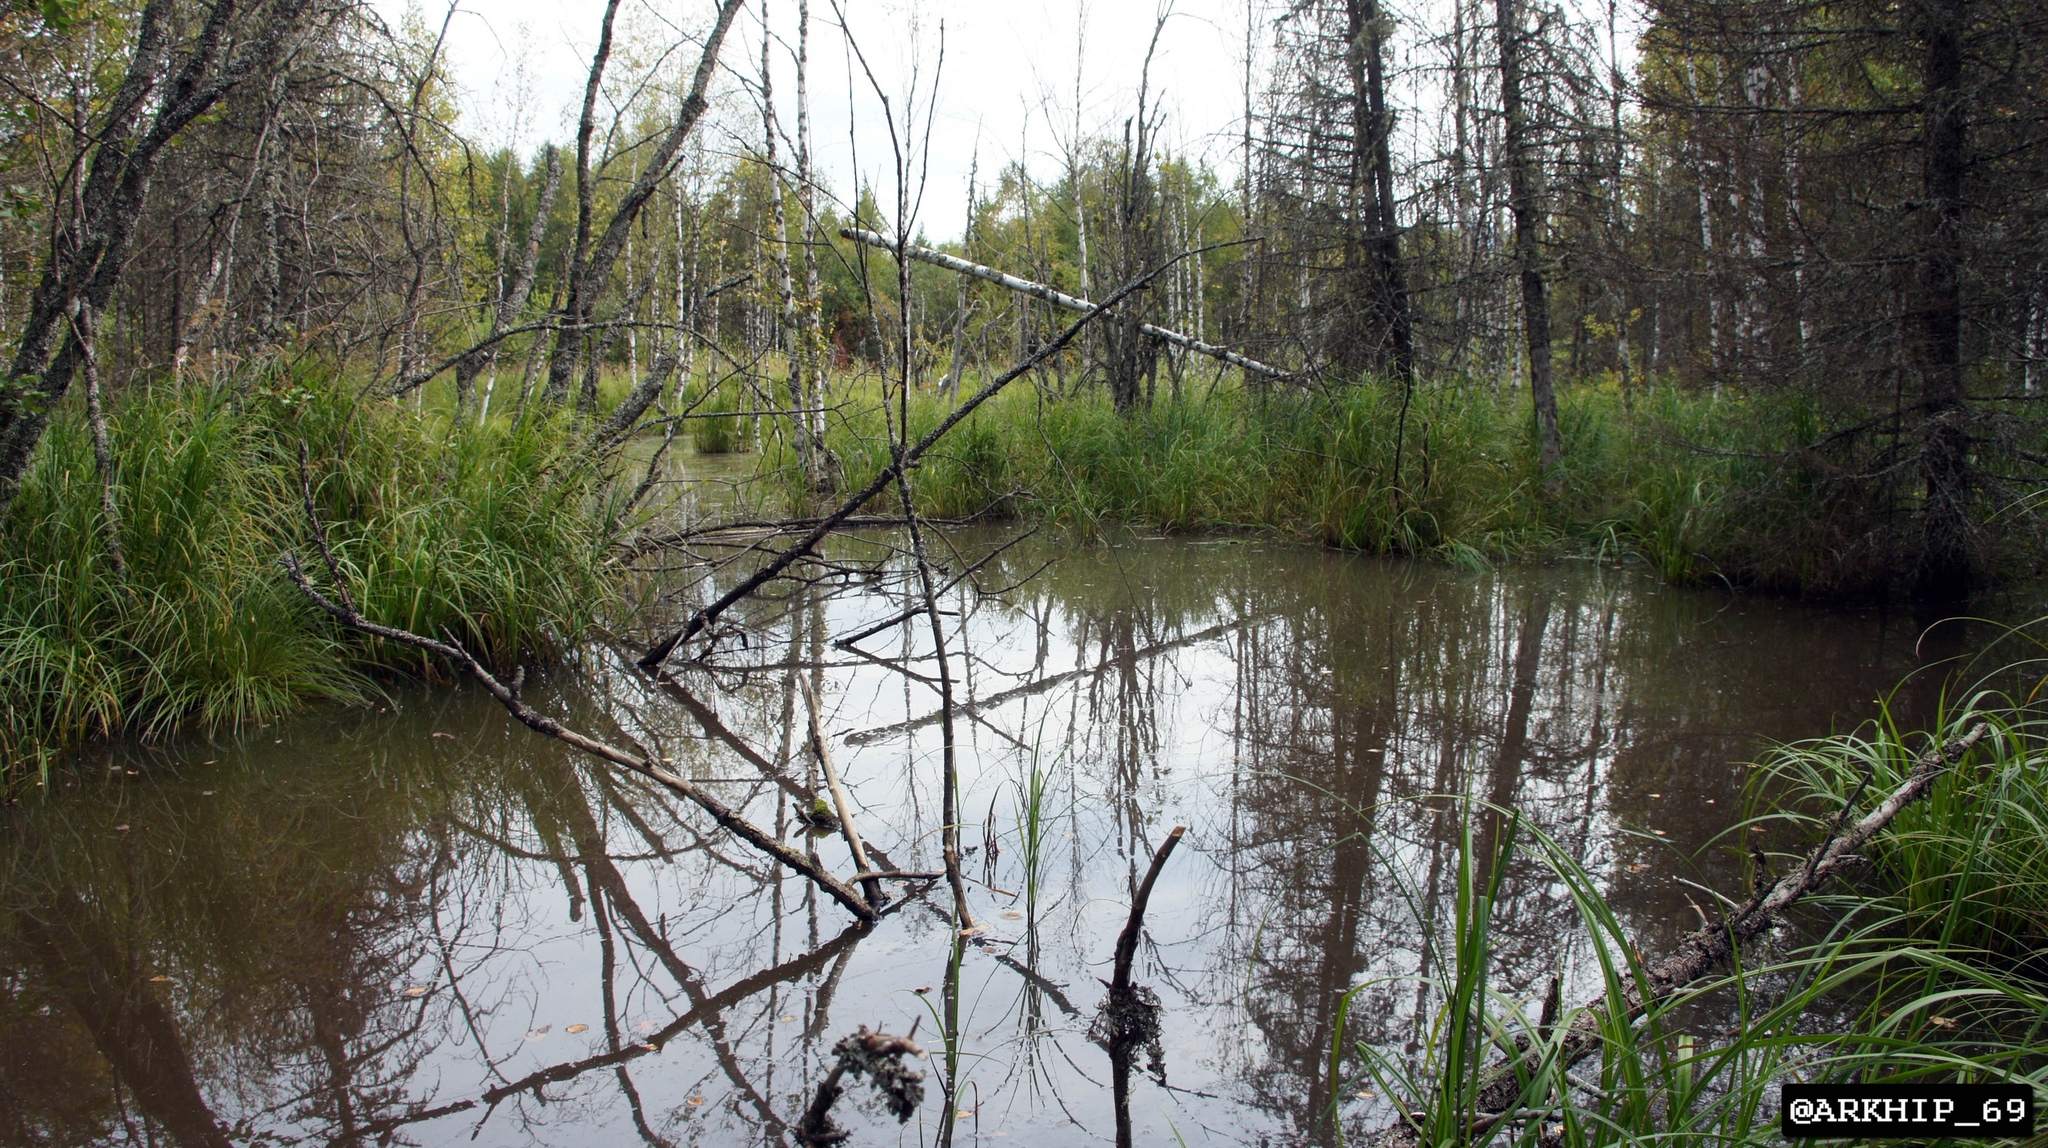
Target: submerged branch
[[728, 818]]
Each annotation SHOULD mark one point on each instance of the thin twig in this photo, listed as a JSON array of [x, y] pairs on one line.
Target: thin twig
[[730, 819]]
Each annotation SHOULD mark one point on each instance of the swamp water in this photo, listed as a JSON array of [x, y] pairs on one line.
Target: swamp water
[[424, 924]]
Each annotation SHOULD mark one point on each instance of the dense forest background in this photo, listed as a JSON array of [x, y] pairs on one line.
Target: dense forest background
[[1828, 219]]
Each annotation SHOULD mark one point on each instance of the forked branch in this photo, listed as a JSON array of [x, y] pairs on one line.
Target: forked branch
[[345, 612]]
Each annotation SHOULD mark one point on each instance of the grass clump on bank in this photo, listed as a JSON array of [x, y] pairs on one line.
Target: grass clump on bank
[[1908, 976], [496, 535], [1968, 866], [1699, 487]]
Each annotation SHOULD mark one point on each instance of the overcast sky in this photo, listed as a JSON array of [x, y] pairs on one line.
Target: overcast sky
[[1006, 89]]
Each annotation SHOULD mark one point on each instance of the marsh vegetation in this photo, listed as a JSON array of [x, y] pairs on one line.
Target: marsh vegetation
[[1455, 602]]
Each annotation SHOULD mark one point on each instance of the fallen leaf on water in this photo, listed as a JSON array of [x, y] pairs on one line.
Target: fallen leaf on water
[[973, 930], [962, 1114], [694, 1101], [416, 991], [577, 1028], [1013, 915], [785, 1019]]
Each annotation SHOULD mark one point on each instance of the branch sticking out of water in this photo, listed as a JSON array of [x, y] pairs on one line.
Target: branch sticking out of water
[[345, 612], [870, 885], [878, 1055], [1127, 943], [1129, 1017]]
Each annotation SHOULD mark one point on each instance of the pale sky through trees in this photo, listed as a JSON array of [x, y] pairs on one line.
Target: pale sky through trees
[[1007, 86]]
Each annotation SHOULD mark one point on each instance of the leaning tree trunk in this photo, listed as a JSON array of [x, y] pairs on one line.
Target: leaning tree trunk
[[1947, 567], [592, 260], [159, 96], [1525, 200]]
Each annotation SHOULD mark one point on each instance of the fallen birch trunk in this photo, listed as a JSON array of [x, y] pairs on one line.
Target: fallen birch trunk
[[1702, 952], [1056, 298]]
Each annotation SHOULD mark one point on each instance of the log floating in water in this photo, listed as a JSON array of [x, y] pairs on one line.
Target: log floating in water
[[1057, 299]]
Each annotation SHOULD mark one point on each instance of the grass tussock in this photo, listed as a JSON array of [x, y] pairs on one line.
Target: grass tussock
[[1967, 867], [1696, 486], [1909, 977], [496, 535]]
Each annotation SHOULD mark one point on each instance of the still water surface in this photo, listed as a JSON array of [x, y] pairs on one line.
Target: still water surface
[[423, 924]]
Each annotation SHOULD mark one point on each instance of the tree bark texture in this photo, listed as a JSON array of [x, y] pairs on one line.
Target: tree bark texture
[[160, 94], [1947, 565], [1525, 176]]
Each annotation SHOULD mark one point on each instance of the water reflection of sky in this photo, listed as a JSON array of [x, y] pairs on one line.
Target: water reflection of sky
[[432, 926]]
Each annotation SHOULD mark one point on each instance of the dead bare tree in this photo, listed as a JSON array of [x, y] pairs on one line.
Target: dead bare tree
[[1525, 174], [591, 262]]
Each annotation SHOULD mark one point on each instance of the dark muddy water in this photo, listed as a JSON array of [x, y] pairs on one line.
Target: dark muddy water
[[425, 925]]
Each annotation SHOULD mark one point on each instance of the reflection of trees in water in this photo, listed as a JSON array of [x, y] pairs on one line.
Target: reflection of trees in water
[[1294, 708], [247, 980], [246, 944]]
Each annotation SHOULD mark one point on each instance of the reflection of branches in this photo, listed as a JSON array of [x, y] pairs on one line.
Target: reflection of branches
[[131, 1028], [708, 1008], [508, 696], [1051, 681]]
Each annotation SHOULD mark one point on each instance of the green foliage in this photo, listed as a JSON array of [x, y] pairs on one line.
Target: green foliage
[[1863, 992], [719, 431], [1698, 488], [1968, 866], [496, 536]]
